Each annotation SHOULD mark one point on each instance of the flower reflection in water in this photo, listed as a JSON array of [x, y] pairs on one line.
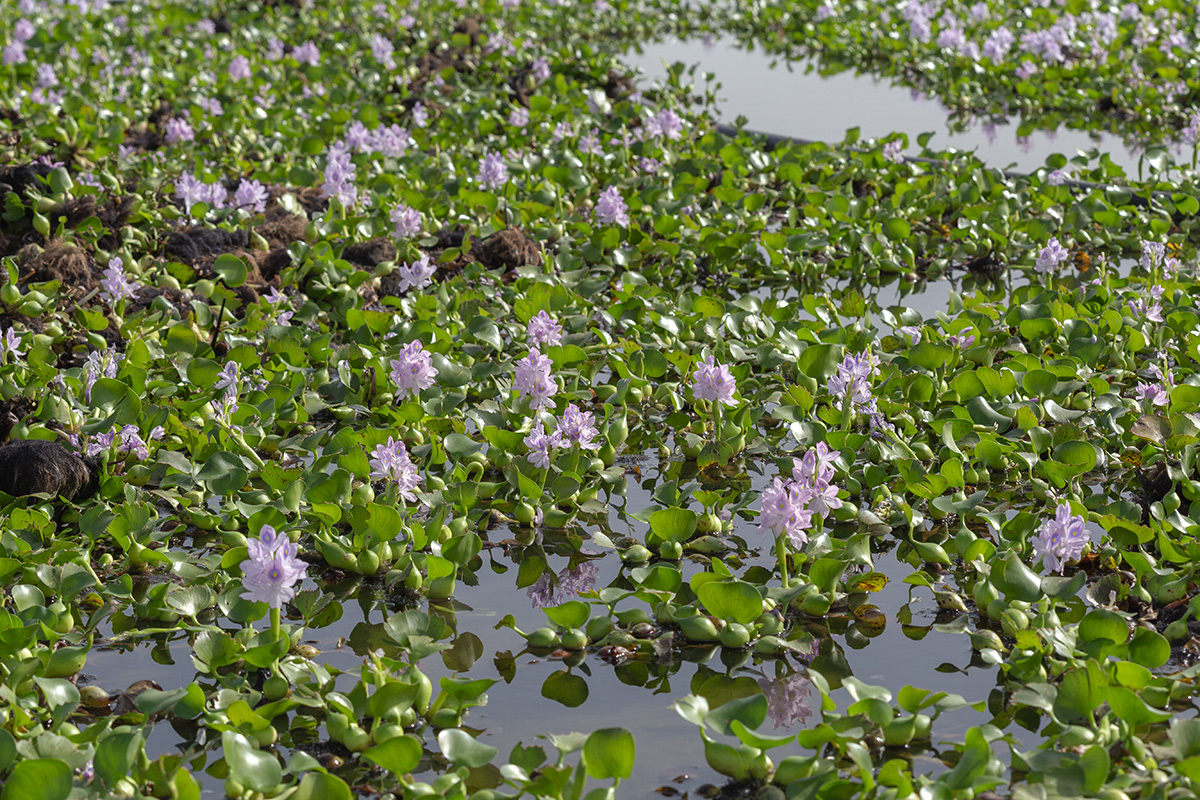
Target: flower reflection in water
[[553, 590], [789, 699]]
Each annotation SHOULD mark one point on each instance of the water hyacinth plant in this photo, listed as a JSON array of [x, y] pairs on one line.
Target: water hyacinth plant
[[520, 350]]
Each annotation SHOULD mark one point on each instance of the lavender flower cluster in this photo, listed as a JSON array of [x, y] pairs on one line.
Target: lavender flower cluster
[[788, 507], [1061, 539], [574, 427], [853, 382]]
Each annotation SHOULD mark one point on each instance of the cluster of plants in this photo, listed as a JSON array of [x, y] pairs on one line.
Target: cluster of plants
[[356, 318]]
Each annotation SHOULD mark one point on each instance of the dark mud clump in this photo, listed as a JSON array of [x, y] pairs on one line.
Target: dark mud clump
[[145, 298], [198, 245], [40, 467], [18, 177], [371, 253], [508, 249], [12, 412], [70, 266]]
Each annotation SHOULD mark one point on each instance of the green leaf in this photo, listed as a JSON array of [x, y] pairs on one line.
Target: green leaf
[[819, 361], [115, 754], [1103, 624], [231, 269], [1016, 579], [1133, 709], [750, 711], [565, 688], [399, 756], [609, 753], [323, 786], [732, 601], [464, 750], [897, 228], [257, 771], [572, 614], [38, 779], [674, 524]]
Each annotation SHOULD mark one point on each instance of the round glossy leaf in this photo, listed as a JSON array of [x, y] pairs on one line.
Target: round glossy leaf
[[732, 601], [257, 771], [231, 269], [565, 688], [399, 756], [38, 779], [323, 786], [572, 614], [609, 753], [463, 749], [674, 524]]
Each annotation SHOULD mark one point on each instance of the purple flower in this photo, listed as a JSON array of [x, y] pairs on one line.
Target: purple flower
[[272, 570], [229, 379], [519, 117], [340, 174], [493, 173], [1151, 312], [665, 124], [1061, 539], [998, 44], [853, 379], [815, 466], [114, 286], [1153, 254], [961, 342], [239, 68], [1152, 393], [390, 462], [611, 208], [540, 69], [414, 370], [1051, 256], [178, 130], [540, 444], [578, 427], [24, 30], [824, 499], [543, 329], [407, 221], [1056, 178], [129, 440], [382, 50], [9, 344], [533, 378], [416, 275], [307, 53], [252, 195], [419, 115], [784, 510], [894, 151], [913, 332], [713, 382], [14, 53]]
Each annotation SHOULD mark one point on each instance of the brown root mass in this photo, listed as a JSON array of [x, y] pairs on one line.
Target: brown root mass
[[508, 249], [40, 467], [59, 261]]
